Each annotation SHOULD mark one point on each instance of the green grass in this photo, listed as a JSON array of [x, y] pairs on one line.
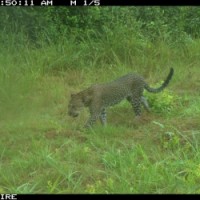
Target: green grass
[[43, 150]]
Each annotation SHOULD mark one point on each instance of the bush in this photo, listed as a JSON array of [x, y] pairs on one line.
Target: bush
[[161, 102]]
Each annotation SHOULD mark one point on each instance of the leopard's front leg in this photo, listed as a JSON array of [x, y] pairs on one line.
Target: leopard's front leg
[[103, 117], [95, 113], [90, 121]]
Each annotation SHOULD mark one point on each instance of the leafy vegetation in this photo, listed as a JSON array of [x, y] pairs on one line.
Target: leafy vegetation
[[47, 53]]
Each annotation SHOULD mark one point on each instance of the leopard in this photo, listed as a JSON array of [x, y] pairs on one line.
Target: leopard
[[145, 103], [99, 97]]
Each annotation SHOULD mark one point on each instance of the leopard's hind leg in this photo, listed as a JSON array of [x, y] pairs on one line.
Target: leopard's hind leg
[[145, 103], [136, 104]]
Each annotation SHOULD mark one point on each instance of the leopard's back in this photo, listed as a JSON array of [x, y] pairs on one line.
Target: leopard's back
[[115, 91]]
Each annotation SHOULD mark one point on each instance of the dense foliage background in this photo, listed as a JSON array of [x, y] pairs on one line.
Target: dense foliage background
[[155, 23]]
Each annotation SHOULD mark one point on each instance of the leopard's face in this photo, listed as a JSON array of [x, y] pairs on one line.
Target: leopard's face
[[75, 105]]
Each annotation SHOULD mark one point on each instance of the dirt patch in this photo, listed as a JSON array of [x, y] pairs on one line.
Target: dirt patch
[[187, 124], [77, 135], [51, 134]]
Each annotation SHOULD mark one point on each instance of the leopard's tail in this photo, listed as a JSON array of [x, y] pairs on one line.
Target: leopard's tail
[[165, 83]]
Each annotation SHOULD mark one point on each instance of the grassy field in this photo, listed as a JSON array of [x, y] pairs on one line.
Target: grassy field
[[43, 150]]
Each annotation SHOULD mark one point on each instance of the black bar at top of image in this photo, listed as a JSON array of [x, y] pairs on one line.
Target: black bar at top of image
[[118, 2], [74, 3], [149, 2]]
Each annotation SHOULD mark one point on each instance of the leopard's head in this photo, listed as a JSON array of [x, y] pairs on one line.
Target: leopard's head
[[75, 105]]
